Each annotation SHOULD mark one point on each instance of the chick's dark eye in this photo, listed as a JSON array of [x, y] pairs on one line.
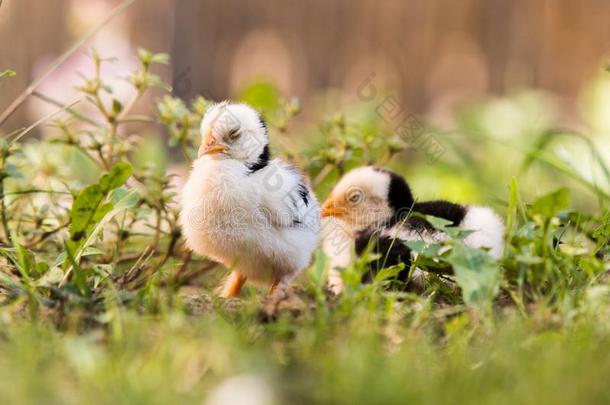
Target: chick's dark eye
[[234, 134], [355, 196]]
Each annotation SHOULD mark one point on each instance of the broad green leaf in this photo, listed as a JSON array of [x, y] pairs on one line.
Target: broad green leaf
[[88, 207], [550, 204], [125, 201], [120, 201], [117, 176], [83, 210], [444, 225], [424, 248], [437, 223], [476, 273]]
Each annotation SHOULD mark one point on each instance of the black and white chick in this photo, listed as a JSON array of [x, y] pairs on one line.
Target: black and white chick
[[255, 215], [370, 202]]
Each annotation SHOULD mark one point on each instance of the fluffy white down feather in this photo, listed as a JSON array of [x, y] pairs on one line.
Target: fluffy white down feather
[[488, 230], [256, 223], [338, 246]]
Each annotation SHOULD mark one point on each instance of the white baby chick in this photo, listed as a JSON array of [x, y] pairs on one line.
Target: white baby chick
[[256, 216], [370, 202]]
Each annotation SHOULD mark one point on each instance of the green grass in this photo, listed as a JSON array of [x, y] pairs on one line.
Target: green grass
[[382, 352]]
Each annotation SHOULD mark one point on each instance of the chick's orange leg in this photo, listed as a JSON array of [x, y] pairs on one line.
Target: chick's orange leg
[[273, 287], [278, 288], [233, 285]]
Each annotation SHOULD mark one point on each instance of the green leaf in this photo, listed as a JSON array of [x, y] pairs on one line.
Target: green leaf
[[117, 107], [389, 273], [424, 248], [118, 175], [125, 201], [119, 201], [83, 211], [25, 259], [42, 268], [8, 73], [445, 226], [477, 274], [550, 204], [123, 198], [88, 207]]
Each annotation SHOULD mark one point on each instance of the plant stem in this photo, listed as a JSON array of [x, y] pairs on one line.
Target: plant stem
[[322, 175], [34, 191], [72, 112], [115, 121], [157, 231], [60, 60], [40, 121], [7, 234]]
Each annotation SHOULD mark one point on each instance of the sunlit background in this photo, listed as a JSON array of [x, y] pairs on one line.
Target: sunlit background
[[488, 78]]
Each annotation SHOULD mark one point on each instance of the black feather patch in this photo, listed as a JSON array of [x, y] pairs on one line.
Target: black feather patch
[[442, 209], [400, 197], [262, 122], [391, 252], [263, 160], [302, 190]]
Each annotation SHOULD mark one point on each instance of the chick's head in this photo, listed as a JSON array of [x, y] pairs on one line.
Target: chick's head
[[368, 197], [233, 131]]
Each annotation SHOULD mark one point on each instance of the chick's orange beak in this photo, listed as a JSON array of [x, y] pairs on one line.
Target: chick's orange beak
[[209, 145], [210, 150], [331, 209]]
